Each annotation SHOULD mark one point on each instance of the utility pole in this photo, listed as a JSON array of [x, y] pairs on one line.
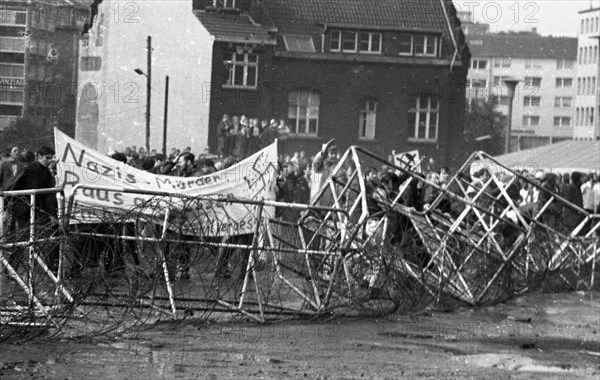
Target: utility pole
[[148, 94], [164, 148]]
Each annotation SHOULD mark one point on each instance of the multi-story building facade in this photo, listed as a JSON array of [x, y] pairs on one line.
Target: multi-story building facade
[[544, 98], [587, 99], [38, 60], [383, 74], [386, 74]]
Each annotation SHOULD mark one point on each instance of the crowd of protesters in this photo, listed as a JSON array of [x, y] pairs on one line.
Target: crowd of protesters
[[299, 179]]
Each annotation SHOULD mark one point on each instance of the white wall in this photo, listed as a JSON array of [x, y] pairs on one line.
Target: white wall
[[181, 48]]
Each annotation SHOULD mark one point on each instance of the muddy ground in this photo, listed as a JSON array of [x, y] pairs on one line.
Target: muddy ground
[[538, 336]]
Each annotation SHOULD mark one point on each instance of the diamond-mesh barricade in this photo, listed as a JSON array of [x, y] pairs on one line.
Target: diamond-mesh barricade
[[477, 241], [32, 250], [351, 251]]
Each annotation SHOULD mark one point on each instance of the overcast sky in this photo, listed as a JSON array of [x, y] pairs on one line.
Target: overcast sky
[[550, 17]]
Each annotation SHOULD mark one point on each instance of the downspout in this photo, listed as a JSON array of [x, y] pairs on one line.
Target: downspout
[[442, 2], [323, 38]]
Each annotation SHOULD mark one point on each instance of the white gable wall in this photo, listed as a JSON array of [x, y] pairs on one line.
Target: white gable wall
[[181, 48]]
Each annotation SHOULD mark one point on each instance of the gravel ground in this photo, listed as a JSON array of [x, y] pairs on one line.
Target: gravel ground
[[538, 336]]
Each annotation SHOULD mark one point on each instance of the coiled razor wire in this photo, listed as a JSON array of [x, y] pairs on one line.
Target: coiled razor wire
[[154, 262]]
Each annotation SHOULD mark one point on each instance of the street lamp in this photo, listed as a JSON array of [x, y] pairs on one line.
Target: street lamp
[[148, 76], [511, 84]]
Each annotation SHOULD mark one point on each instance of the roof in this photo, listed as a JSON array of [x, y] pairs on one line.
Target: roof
[[565, 156], [589, 10], [308, 16], [522, 45], [237, 28], [411, 14]]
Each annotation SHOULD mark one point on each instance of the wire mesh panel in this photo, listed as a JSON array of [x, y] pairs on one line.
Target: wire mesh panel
[[356, 249]]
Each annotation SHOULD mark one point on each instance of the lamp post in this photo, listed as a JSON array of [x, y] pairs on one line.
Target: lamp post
[[148, 75], [511, 85]]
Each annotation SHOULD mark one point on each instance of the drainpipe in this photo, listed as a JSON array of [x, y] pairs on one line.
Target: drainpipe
[[443, 4]]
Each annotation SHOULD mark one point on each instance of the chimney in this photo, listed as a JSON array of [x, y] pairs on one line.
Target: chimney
[[534, 30]]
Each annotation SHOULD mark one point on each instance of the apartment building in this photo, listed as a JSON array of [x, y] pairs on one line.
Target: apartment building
[[546, 70], [38, 60], [587, 99]]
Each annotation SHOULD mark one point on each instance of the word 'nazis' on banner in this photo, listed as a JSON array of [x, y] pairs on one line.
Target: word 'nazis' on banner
[[102, 186]]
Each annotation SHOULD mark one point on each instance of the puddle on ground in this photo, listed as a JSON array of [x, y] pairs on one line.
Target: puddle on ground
[[511, 363]]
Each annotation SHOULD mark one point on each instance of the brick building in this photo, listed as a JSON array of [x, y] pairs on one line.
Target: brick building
[[383, 74]]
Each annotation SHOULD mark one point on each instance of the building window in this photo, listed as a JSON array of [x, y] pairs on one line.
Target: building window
[[302, 44], [424, 116], [531, 64], [595, 54], [562, 121], [425, 45], [563, 101], [498, 80], [12, 44], [564, 82], [502, 62], [578, 86], [303, 112], [349, 41], [11, 96], [578, 116], [565, 64], [91, 63], [335, 40], [478, 64], [367, 120], [533, 82], [224, 4], [532, 101], [405, 42], [13, 71], [587, 25], [531, 121], [243, 70], [13, 17], [370, 42]]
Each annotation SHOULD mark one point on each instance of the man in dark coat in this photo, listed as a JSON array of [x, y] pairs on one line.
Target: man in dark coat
[[38, 176], [571, 216]]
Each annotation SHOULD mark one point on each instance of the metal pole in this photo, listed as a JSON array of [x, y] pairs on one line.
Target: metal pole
[[164, 148], [508, 125], [148, 93]]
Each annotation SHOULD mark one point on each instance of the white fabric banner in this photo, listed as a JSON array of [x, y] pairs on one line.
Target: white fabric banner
[[410, 160], [197, 213]]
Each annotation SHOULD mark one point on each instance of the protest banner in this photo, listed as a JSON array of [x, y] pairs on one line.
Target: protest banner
[[410, 160], [193, 208]]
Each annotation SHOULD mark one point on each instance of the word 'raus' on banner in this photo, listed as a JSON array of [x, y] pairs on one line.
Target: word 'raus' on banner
[[106, 189]]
